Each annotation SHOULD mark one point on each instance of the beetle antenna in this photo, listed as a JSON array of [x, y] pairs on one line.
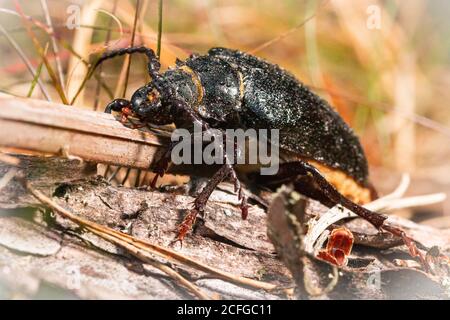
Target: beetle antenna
[[153, 62]]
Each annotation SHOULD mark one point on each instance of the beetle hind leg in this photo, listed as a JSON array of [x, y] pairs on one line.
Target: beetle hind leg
[[293, 170]]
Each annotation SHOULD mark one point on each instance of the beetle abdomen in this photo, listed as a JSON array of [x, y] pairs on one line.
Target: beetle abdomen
[[275, 99]]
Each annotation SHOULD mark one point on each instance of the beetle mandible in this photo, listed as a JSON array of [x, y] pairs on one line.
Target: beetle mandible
[[231, 89]]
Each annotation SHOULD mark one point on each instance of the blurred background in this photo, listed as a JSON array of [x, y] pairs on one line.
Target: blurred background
[[384, 65]]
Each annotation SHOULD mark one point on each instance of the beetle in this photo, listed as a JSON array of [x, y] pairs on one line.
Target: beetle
[[228, 88]]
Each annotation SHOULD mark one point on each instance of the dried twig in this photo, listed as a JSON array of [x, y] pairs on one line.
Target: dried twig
[[7, 177], [48, 20], [51, 128]]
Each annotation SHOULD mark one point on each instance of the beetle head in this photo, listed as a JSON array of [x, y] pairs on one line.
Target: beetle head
[[146, 105]]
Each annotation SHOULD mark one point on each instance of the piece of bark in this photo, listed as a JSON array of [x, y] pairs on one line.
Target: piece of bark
[[27, 237], [222, 239], [46, 173], [157, 219]]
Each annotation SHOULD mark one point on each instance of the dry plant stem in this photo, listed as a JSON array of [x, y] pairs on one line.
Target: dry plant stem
[[26, 62], [68, 46], [290, 31], [48, 20], [147, 247], [160, 22], [38, 74], [133, 36], [40, 51], [100, 69], [81, 41], [7, 177]]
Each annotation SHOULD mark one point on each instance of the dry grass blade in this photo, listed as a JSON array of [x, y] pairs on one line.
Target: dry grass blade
[[40, 50], [290, 31], [48, 20], [38, 73], [160, 23], [81, 43], [69, 47], [26, 61], [100, 70], [88, 75], [127, 64]]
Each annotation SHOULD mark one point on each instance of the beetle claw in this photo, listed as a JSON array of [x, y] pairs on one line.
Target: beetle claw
[[186, 226]]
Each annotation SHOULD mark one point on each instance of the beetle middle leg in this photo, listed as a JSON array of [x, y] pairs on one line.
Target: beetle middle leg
[[293, 170], [200, 201], [184, 118]]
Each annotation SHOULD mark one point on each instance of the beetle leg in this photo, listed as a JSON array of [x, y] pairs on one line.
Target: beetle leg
[[184, 117], [241, 195], [117, 105], [162, 164], [409, 242], [301, 168], [200, 202]]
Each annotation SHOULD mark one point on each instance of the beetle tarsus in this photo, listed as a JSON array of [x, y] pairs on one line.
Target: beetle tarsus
[[186, 226], [410, 244]]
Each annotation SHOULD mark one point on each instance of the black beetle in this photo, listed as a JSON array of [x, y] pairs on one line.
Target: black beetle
[[231, 89]]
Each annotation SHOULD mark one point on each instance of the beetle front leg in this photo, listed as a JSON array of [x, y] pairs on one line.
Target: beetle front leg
[[162, 164], [122, 106]]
